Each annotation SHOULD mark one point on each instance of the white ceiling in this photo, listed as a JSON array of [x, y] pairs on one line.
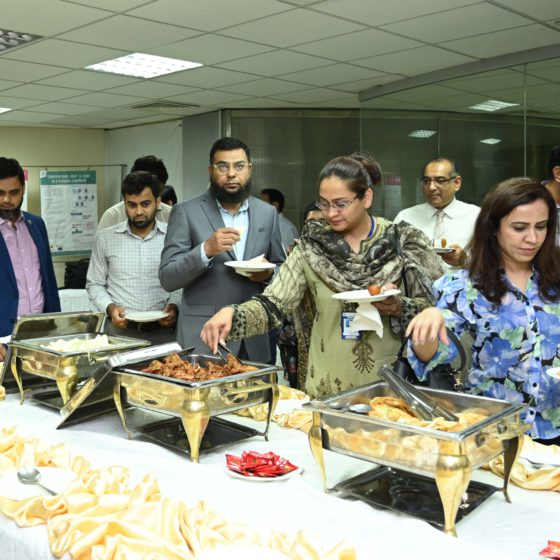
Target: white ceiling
[[265, 53]]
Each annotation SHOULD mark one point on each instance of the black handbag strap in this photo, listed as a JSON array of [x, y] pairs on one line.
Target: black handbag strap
[[454, 338]]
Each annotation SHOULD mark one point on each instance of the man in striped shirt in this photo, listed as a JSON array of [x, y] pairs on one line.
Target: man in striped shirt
[[122, 278]]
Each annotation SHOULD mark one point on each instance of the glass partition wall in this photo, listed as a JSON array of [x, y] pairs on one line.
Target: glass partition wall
[[406, 128]]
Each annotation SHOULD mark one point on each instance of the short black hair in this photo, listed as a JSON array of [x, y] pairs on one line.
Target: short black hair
[[168, 194], [153, 165], [553, 160], [10, 167], [136, 182], [454, 171], [274, 195], [227, 144]]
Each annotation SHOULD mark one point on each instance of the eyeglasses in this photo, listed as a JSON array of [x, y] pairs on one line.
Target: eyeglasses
[[239, 166], [439, 181], [324, 206]]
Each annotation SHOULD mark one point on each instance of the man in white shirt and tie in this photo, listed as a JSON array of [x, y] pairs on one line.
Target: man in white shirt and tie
[[442, 216]]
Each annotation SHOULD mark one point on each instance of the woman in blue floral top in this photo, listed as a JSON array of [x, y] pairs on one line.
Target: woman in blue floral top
[[509, 300]]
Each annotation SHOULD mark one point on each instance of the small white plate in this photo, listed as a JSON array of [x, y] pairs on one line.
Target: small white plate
[[362, 296], [54, 478], [245, 266], [443, 250], [554, 372], [240, 476], [145, 316]]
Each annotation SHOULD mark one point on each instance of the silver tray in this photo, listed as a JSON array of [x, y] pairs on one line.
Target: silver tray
[[449, 457], [194, 402]]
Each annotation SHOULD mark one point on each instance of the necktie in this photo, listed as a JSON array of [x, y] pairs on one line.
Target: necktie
[[439, 229]]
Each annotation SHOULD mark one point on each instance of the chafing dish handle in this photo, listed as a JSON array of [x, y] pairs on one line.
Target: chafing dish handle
[[152, 352]]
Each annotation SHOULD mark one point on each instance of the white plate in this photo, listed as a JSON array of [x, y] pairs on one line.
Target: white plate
[[54, 478], [443, 251], [245, 266], [145, 316], [361, 296], [554, 372], [240, 476]]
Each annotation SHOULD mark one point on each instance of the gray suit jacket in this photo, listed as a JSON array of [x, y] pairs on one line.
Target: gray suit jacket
[[207, 289]]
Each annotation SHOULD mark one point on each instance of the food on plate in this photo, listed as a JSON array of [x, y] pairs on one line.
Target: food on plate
[[100, 342], [174, 366], [374, 289], [265, 465]]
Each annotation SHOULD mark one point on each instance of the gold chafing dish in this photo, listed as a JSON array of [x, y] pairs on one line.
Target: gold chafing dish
[[30, 358], [194, 403], [448, 457]]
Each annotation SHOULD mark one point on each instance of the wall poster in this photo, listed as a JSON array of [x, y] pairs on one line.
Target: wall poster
[[69, 208]]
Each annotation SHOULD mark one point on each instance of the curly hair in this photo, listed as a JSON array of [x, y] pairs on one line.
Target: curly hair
[[486, 253]]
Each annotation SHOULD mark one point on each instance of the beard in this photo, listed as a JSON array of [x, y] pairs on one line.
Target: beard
[[223, 196], [143, 224], [11, 214]]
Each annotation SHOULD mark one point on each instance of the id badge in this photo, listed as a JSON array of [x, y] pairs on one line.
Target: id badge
[[348, 333]]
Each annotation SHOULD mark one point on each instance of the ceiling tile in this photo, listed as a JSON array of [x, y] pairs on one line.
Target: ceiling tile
[[488, 81], [86, 79], [275, 63], [210, 49], [30, 117], [17, 102], [414, 62], [360, 85], [114, 114], [111, 5], [40, 17], [76, 121], [292, 28], [434, 91], [207, 97], [311, 95], [151, 89], [207, 77], [71, 55], [344, 103], [330, 75], [100, 99], [379, 12], [260, 103], [209, 15], [62, 108], [26, 71], [369, 42], [128, 33], [7, 84], [504, 42], [543, 9], [43, 93], [264, 87], [461, 22]]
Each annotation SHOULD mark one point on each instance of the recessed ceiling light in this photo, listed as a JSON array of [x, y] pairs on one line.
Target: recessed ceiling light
[[5, 109], [142, 65], [490, 141], [11, 39], [422, 133], [492, 105]]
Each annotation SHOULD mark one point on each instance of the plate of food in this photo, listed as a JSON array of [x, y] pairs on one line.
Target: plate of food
[[443, 250], [373, 293], [145, 316], [260, 467], [246, 268]]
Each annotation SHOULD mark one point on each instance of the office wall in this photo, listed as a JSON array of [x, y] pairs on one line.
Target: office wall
[[124, 145]]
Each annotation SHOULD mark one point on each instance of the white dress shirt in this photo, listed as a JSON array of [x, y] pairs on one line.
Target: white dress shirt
[[124, 270]]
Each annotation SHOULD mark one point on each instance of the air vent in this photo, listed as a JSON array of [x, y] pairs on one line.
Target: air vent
[[165, 107]]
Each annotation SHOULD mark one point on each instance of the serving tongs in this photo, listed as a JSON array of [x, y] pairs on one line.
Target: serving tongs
[[423, 405], [224, 358]]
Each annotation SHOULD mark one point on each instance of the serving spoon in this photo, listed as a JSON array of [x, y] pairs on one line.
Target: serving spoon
[[31, 475]]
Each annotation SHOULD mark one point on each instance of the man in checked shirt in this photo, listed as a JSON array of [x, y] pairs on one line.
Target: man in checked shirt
[[122, 278]]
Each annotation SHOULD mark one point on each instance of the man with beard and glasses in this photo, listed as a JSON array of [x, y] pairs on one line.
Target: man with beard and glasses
[[27, 280], [122, 278], [225, 223]]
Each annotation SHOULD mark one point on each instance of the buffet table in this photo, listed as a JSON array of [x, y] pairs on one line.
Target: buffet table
[[495, 530]]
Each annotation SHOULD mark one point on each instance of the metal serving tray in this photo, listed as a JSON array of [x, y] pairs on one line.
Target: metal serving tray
[[449, 457], [194, 402], [66, 369]]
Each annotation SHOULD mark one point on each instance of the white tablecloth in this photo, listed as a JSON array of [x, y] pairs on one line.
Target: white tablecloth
[[73, 300], [495, 530]]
